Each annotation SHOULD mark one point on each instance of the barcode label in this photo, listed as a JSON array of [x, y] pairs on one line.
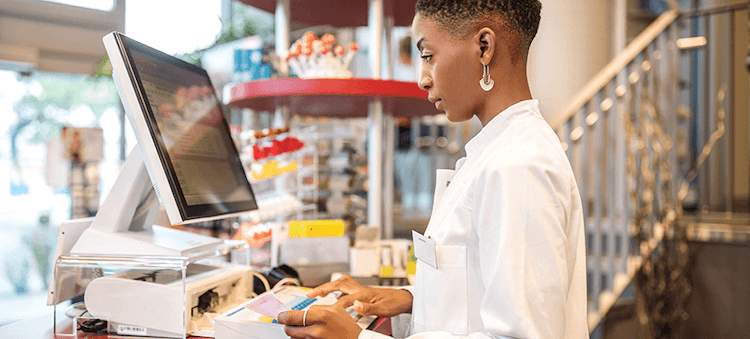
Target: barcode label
[[131, 330]]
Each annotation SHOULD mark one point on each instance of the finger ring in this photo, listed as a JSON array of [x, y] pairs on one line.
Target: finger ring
[[304, 318]]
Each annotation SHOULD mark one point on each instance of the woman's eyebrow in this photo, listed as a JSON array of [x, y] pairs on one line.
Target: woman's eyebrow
[[419, 44]]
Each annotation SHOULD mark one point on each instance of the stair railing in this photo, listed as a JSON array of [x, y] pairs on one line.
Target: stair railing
[[636, 136]]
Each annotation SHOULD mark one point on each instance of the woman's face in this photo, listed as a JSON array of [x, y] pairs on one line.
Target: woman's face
[[451, 69]]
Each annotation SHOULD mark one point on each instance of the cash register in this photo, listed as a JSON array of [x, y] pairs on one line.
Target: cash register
[[185, 165]]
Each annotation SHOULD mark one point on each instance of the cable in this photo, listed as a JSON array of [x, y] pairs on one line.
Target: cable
[[284, 281], [263, 280]]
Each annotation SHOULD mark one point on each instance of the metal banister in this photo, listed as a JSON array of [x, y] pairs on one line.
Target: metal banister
[[640, 137], [610, 71]]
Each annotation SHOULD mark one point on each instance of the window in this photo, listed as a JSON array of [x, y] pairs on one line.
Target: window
[[34, 193]]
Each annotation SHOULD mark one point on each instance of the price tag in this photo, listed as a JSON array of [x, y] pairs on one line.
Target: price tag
[[131, 330]]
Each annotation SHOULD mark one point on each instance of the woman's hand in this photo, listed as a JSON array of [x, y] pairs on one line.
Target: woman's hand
[[381, 302], [320, 322]]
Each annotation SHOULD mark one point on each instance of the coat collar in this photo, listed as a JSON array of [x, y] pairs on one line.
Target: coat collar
[[498, 124]]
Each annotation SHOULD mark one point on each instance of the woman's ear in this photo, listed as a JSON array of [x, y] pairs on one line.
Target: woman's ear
[[485, 39]]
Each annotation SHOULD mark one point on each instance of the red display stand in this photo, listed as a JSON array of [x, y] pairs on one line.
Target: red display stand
[[332, 97]]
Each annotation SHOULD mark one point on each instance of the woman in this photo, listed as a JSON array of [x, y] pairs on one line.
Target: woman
[[509, 227]]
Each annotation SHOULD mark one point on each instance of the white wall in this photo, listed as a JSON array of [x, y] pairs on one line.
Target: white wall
[[573, 44]]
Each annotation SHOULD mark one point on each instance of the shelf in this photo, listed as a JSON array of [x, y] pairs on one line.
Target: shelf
[[340, 98], [353, 14]]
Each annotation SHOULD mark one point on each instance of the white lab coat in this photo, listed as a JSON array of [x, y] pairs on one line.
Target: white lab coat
[[509, 237]]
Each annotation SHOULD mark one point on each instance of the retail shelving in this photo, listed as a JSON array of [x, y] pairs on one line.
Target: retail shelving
[[289, 194], [378, 100]]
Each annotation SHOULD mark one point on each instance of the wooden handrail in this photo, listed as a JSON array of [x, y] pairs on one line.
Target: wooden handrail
[[615, 66]]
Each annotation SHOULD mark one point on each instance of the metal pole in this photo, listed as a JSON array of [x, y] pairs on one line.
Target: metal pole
[[620, 25], [620, 165], [281, 16], [389, 180], [729, 123], [598, 229], [705, 191], [388, 169], [375, 123]]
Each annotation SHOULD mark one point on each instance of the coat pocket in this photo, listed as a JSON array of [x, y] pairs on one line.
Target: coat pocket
[[442, 302]]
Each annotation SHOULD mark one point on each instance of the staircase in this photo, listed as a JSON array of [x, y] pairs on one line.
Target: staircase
[[655, 141]]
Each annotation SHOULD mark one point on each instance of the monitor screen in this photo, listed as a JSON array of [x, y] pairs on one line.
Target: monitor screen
[[191, 136]]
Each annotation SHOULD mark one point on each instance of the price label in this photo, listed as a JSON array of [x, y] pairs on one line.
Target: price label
[[131, 330]]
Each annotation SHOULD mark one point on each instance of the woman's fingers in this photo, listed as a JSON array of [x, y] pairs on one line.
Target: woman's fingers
[[294, 318], [364, 309], [346, 300], [345, 284], [322, 290], [320, 322]]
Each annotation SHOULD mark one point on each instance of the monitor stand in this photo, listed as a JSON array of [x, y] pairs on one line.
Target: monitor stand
[[123, 226]]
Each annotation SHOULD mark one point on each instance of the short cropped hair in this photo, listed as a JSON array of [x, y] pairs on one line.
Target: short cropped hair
[[459, 16]]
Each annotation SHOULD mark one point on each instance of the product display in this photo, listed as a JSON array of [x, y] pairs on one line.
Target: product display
[[277, 147], [311, 58], [271, 169]]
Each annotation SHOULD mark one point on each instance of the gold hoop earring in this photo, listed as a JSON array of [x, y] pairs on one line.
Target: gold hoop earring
[[486, 82]]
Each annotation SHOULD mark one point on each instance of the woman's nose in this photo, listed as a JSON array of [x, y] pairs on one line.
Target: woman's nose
[[425, 83]]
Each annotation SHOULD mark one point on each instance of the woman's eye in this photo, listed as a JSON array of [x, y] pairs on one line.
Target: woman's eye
[[427, 57]]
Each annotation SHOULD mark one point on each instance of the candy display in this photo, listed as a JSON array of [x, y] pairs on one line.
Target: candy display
[[255, 234], [313, 58], [271, 169], [277, 147], [269, 132]]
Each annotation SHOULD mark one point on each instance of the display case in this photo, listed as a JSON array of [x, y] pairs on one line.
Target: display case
[[283, 170]]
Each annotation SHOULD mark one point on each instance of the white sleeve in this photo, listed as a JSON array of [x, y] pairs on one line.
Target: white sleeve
[[520, 217], [374, 335], [367, 334], [409, 288]]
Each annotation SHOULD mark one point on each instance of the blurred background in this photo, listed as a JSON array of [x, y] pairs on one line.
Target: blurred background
[[649, 98]]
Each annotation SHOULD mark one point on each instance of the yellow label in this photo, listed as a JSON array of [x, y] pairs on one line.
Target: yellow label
[[316, 228], [411, 263], [274, 168], [386, 271]]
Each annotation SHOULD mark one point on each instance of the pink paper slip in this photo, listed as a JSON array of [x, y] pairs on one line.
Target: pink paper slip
[[268, 305]]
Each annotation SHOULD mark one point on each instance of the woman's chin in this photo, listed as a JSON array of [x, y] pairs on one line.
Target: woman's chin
[[456, 118]]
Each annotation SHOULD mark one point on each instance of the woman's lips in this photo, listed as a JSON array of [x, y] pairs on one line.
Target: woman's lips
[[437, 103]]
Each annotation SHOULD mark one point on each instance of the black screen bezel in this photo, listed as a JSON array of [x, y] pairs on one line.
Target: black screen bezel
[[187, 212]]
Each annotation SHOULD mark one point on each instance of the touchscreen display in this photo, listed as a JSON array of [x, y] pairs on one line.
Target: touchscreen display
[[193, 133]]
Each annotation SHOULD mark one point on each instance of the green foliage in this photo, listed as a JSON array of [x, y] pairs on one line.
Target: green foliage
[[103, 69], [61, 94], [45, 112]]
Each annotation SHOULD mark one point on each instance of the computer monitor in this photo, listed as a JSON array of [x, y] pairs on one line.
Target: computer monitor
[[185, 158]]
